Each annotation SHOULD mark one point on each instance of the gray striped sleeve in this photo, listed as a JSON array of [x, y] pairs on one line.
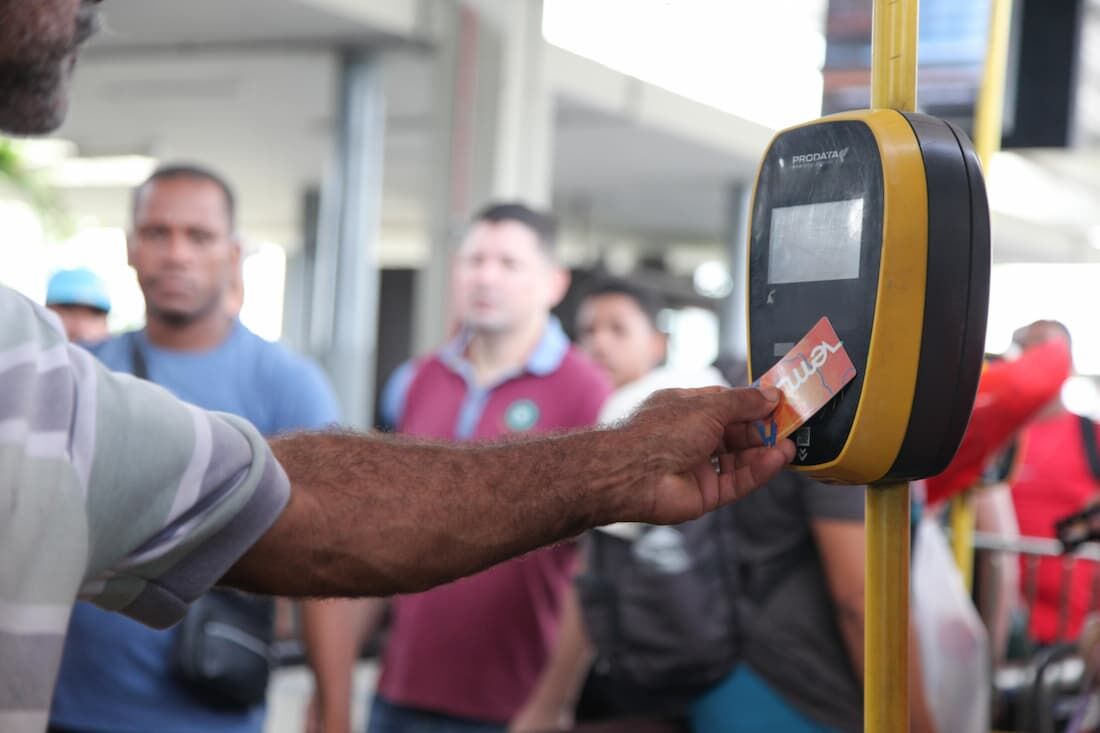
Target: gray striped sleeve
[[107, 478], [45, 426], [175, 496]]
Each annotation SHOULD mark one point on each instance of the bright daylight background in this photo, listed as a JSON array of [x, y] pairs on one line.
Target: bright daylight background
[[700, 49], [695, 48]]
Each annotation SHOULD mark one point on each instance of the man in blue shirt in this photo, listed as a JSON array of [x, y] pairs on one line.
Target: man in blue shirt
[[116, 674]]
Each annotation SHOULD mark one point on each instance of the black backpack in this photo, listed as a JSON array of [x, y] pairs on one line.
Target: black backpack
[[1088, 437], [668, 652], [223, 648]]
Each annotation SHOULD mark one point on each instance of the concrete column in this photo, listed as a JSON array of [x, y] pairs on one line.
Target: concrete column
[[493, 131], [344, 318], [298, 296], [453, 74], [733, 336], [525, 106]]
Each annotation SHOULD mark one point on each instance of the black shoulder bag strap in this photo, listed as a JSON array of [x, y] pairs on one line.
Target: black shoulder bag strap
[[226, 669], [1088, 435], [137, 358]]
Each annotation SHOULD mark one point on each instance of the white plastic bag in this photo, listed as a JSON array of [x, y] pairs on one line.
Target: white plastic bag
[[954, 645]]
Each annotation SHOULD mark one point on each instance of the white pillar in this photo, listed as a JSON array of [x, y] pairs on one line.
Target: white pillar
[[525, 106], [344, 317], [492, 135], [734, 333]]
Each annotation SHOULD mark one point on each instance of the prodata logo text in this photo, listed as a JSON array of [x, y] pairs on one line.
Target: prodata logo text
[[819, 158]]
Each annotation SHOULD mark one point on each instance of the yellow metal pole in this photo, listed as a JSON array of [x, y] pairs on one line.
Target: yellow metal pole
[[962, 534], [991, 98], [886, 626], [894, 55]]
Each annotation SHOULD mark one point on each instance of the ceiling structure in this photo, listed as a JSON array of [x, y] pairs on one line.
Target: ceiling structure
[[249, 87]]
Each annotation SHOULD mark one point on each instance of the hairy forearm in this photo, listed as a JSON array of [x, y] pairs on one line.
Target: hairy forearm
[[383, 514]]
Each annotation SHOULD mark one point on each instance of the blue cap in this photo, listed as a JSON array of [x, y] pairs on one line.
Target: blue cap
[[80, 286]]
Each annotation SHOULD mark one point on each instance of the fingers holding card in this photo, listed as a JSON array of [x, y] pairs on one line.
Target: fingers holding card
[[811, 374]]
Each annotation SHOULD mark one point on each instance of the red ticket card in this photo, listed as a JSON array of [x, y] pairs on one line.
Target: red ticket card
[[810, 375]]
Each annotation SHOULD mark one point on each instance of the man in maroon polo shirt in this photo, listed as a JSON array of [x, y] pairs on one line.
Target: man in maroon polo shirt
[[464, 657]]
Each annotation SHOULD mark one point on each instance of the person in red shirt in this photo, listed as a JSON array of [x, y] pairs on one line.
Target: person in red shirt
[[1052, 480], [465, 656], [1010, 393]]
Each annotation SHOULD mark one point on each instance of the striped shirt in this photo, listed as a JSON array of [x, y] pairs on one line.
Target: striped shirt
[[113, 491]]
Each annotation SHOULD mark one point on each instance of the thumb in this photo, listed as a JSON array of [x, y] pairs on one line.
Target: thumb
[[745, 404]]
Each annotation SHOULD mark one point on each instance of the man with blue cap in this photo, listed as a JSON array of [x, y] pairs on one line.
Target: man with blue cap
[[80, 298]]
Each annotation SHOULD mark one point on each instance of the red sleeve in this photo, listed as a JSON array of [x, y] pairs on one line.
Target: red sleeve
[[1009, 395]]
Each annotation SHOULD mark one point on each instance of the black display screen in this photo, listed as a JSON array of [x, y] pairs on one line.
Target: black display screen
[[815, 249], [810, 242]]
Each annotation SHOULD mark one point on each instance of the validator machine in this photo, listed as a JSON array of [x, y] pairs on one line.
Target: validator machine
[[877, 219]]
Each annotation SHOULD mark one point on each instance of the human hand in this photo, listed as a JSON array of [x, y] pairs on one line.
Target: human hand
[[320, 719], [539, 719], [312, 722], [1039, 333], [699, 451]]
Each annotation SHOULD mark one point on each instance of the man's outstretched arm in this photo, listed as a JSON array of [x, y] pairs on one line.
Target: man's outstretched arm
[[380, 514]]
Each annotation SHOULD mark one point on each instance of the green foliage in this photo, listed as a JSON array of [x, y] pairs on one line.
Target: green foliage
[[33, 189]]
